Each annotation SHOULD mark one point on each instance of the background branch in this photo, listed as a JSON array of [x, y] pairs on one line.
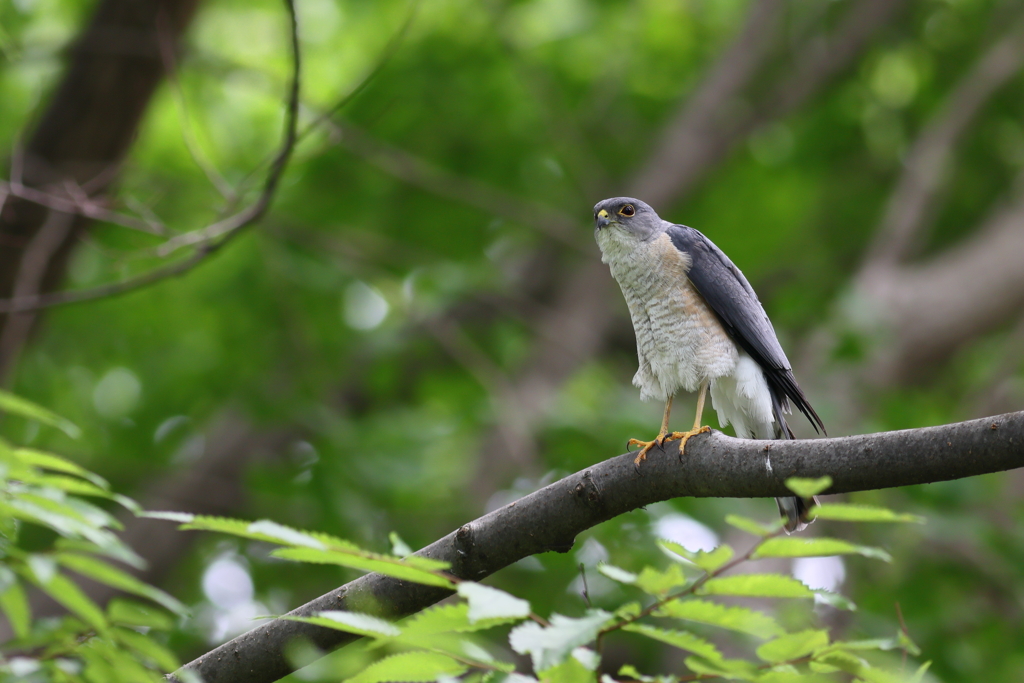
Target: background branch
[[549, 519]]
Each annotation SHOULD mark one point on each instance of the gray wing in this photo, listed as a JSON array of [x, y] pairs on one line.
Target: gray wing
[[737, 307]]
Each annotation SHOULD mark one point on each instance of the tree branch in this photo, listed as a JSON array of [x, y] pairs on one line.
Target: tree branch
[[213, 237], [549, 519]]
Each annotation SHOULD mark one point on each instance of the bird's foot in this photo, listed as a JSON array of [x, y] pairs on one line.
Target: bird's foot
[[685, 436], [645, 446]]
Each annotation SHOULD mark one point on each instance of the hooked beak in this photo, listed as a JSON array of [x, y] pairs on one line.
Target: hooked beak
[[602, 219]]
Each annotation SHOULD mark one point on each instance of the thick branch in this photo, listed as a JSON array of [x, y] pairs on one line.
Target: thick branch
[[550, 519]]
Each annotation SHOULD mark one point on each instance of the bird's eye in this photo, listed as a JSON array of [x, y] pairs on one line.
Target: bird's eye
[[627, 210]]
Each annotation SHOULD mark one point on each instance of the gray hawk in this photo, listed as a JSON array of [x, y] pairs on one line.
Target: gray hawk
[[699, 325]]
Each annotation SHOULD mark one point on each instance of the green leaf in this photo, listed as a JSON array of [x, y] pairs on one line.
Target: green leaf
[[751, 526], [410, 667], [850, 512], [116, 550], [730, 669], [132, 613], [757, 586], [48, 461], [616, 573], [574, 669], [630, 671], [684, 640], [260, 530], [630, 610], [18, 406], [99, 570], [148, 648], [733, 618], [794, 546], [486, 602], [653, 582], [793, 645], [67, 593], [921, 671], [365, 561], [352, 622], [15, 606], [807, 488], [447, 618], [708, 561], [550, 645]]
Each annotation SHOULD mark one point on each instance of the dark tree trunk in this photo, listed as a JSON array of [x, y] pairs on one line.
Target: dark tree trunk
[[81, 138]]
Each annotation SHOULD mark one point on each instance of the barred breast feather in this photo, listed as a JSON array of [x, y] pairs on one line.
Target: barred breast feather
[[680, 342]]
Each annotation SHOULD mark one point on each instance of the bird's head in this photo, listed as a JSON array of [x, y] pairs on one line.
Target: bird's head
[[630, 217]]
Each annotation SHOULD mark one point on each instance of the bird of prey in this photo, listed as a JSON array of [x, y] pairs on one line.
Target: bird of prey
[[699, 325]]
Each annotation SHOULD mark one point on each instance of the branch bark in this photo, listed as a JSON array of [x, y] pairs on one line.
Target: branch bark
[[549, 519]]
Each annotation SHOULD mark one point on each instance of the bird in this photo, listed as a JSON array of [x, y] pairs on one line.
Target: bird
[[699, 326]]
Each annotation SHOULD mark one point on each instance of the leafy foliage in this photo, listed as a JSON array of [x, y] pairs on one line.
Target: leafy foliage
[[119, 643], [441, 642]]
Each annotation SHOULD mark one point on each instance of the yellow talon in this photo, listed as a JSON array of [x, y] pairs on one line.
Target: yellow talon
[[645, 446], [685, 436]]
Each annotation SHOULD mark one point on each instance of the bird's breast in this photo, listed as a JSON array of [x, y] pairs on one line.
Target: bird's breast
[[680, 341]]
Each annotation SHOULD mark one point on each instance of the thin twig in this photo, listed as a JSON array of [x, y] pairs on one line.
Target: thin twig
[[218, 234], [79, 203], [170, 64]]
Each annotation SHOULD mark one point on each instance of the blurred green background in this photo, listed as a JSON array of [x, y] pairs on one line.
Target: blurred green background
[[421, 330]]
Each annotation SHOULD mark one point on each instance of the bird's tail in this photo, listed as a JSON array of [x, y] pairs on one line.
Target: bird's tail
[[793, 509]]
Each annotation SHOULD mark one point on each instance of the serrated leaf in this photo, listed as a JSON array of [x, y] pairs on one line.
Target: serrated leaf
[[351, 622], [616, 573], [752, 526], [630, 610], [684, 640], [793, 645], [850, 512], [708, 561], [271, 532], [410, 667], [280, 533], [180, 517], [131, 613], [148, 648], [487, 602], [99, 570], [16, 405], [15, 606], [756, 586], [807, 488], [654, 582], [572, 670], [365, 561], [550, 645], [729, 669], [795, 546], [427, 627], [733, 618]]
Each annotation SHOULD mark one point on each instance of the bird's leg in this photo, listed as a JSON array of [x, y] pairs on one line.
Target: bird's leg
[[697, 428], [648, 445]]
